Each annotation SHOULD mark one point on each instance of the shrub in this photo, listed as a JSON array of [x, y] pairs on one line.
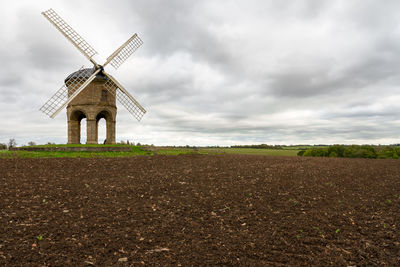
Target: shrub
[[353, 151], [301, 153], [388, 153], [350, 152], [316, 152], [363, 151], [3, 146], [333, 154], [337, 150]]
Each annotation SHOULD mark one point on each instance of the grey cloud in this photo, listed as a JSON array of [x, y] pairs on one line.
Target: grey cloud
[[44, 47], [9, 80], [304, 71]]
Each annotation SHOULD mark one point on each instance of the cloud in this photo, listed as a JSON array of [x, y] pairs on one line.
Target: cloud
[[212, 73]]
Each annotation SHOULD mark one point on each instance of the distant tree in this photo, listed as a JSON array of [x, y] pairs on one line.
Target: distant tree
[[355, 151], [262, 146], [336, 151], [31, 143], [388, 153], [12, 143], [316, 152], [3, 146]]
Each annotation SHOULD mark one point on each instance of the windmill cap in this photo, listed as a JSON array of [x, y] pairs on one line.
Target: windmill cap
[[85, 74]]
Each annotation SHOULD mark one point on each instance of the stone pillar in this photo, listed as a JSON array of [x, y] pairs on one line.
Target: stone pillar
[[74, 132], [91, 130], [97, 132], [110, 125]]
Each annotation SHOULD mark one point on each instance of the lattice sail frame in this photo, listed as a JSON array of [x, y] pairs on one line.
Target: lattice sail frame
[[124, 98], [61, 96], [124, 52], [70, 34]]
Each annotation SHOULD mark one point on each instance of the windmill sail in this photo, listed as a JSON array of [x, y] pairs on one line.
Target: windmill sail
[[61, 96], [123, 96], [122, 53], [66, 94], [70, 34]]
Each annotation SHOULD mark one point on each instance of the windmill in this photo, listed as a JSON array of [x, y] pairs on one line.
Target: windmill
[[91, 93]]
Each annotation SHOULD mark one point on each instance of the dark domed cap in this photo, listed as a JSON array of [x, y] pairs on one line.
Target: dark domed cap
[[85, 74]]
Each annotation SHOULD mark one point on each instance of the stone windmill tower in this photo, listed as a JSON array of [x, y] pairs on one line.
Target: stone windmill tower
[[91, 93]]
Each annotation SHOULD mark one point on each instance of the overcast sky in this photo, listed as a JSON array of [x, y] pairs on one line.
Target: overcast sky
[[214, 72]]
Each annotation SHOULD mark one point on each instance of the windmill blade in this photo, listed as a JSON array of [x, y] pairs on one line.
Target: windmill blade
[[130, 103], [59, 97], [55, 101], [66, 94], [71, 35], [125, 50]]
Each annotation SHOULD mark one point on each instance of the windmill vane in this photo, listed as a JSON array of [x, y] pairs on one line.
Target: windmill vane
[[91, 93]]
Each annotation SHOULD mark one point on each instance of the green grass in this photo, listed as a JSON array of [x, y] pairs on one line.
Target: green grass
[[175, 151], [4, 153], [138, 151], [135, 151], [247, 151], [81, 145], [303, 147], [267, 152]]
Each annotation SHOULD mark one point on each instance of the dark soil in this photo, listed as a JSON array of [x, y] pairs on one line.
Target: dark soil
[[199, 210]]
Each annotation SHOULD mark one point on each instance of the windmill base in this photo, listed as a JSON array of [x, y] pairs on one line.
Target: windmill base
[[94, 103], [92, 114]]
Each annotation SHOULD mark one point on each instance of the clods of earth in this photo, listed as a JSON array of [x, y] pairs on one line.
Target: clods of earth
[[199, 210]]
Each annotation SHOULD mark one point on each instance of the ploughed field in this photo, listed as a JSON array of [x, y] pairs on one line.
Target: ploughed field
[[199, 210]]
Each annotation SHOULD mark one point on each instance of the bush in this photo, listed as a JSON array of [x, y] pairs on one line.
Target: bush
[[353, 151], [333, 154], [389, 153], [336, 151], [316, 152], [301, 153], [3, 146], [363, 151]]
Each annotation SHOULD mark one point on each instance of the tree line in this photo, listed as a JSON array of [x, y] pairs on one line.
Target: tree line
[[13, 143], [262, 146], [353, 151]]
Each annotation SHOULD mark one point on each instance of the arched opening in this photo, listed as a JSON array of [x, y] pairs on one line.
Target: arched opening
[[83, 131], [103, 131], [77, 128]]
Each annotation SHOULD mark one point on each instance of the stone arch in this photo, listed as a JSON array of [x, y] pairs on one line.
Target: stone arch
[[77, 114], [109, 117], [74, 126]]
